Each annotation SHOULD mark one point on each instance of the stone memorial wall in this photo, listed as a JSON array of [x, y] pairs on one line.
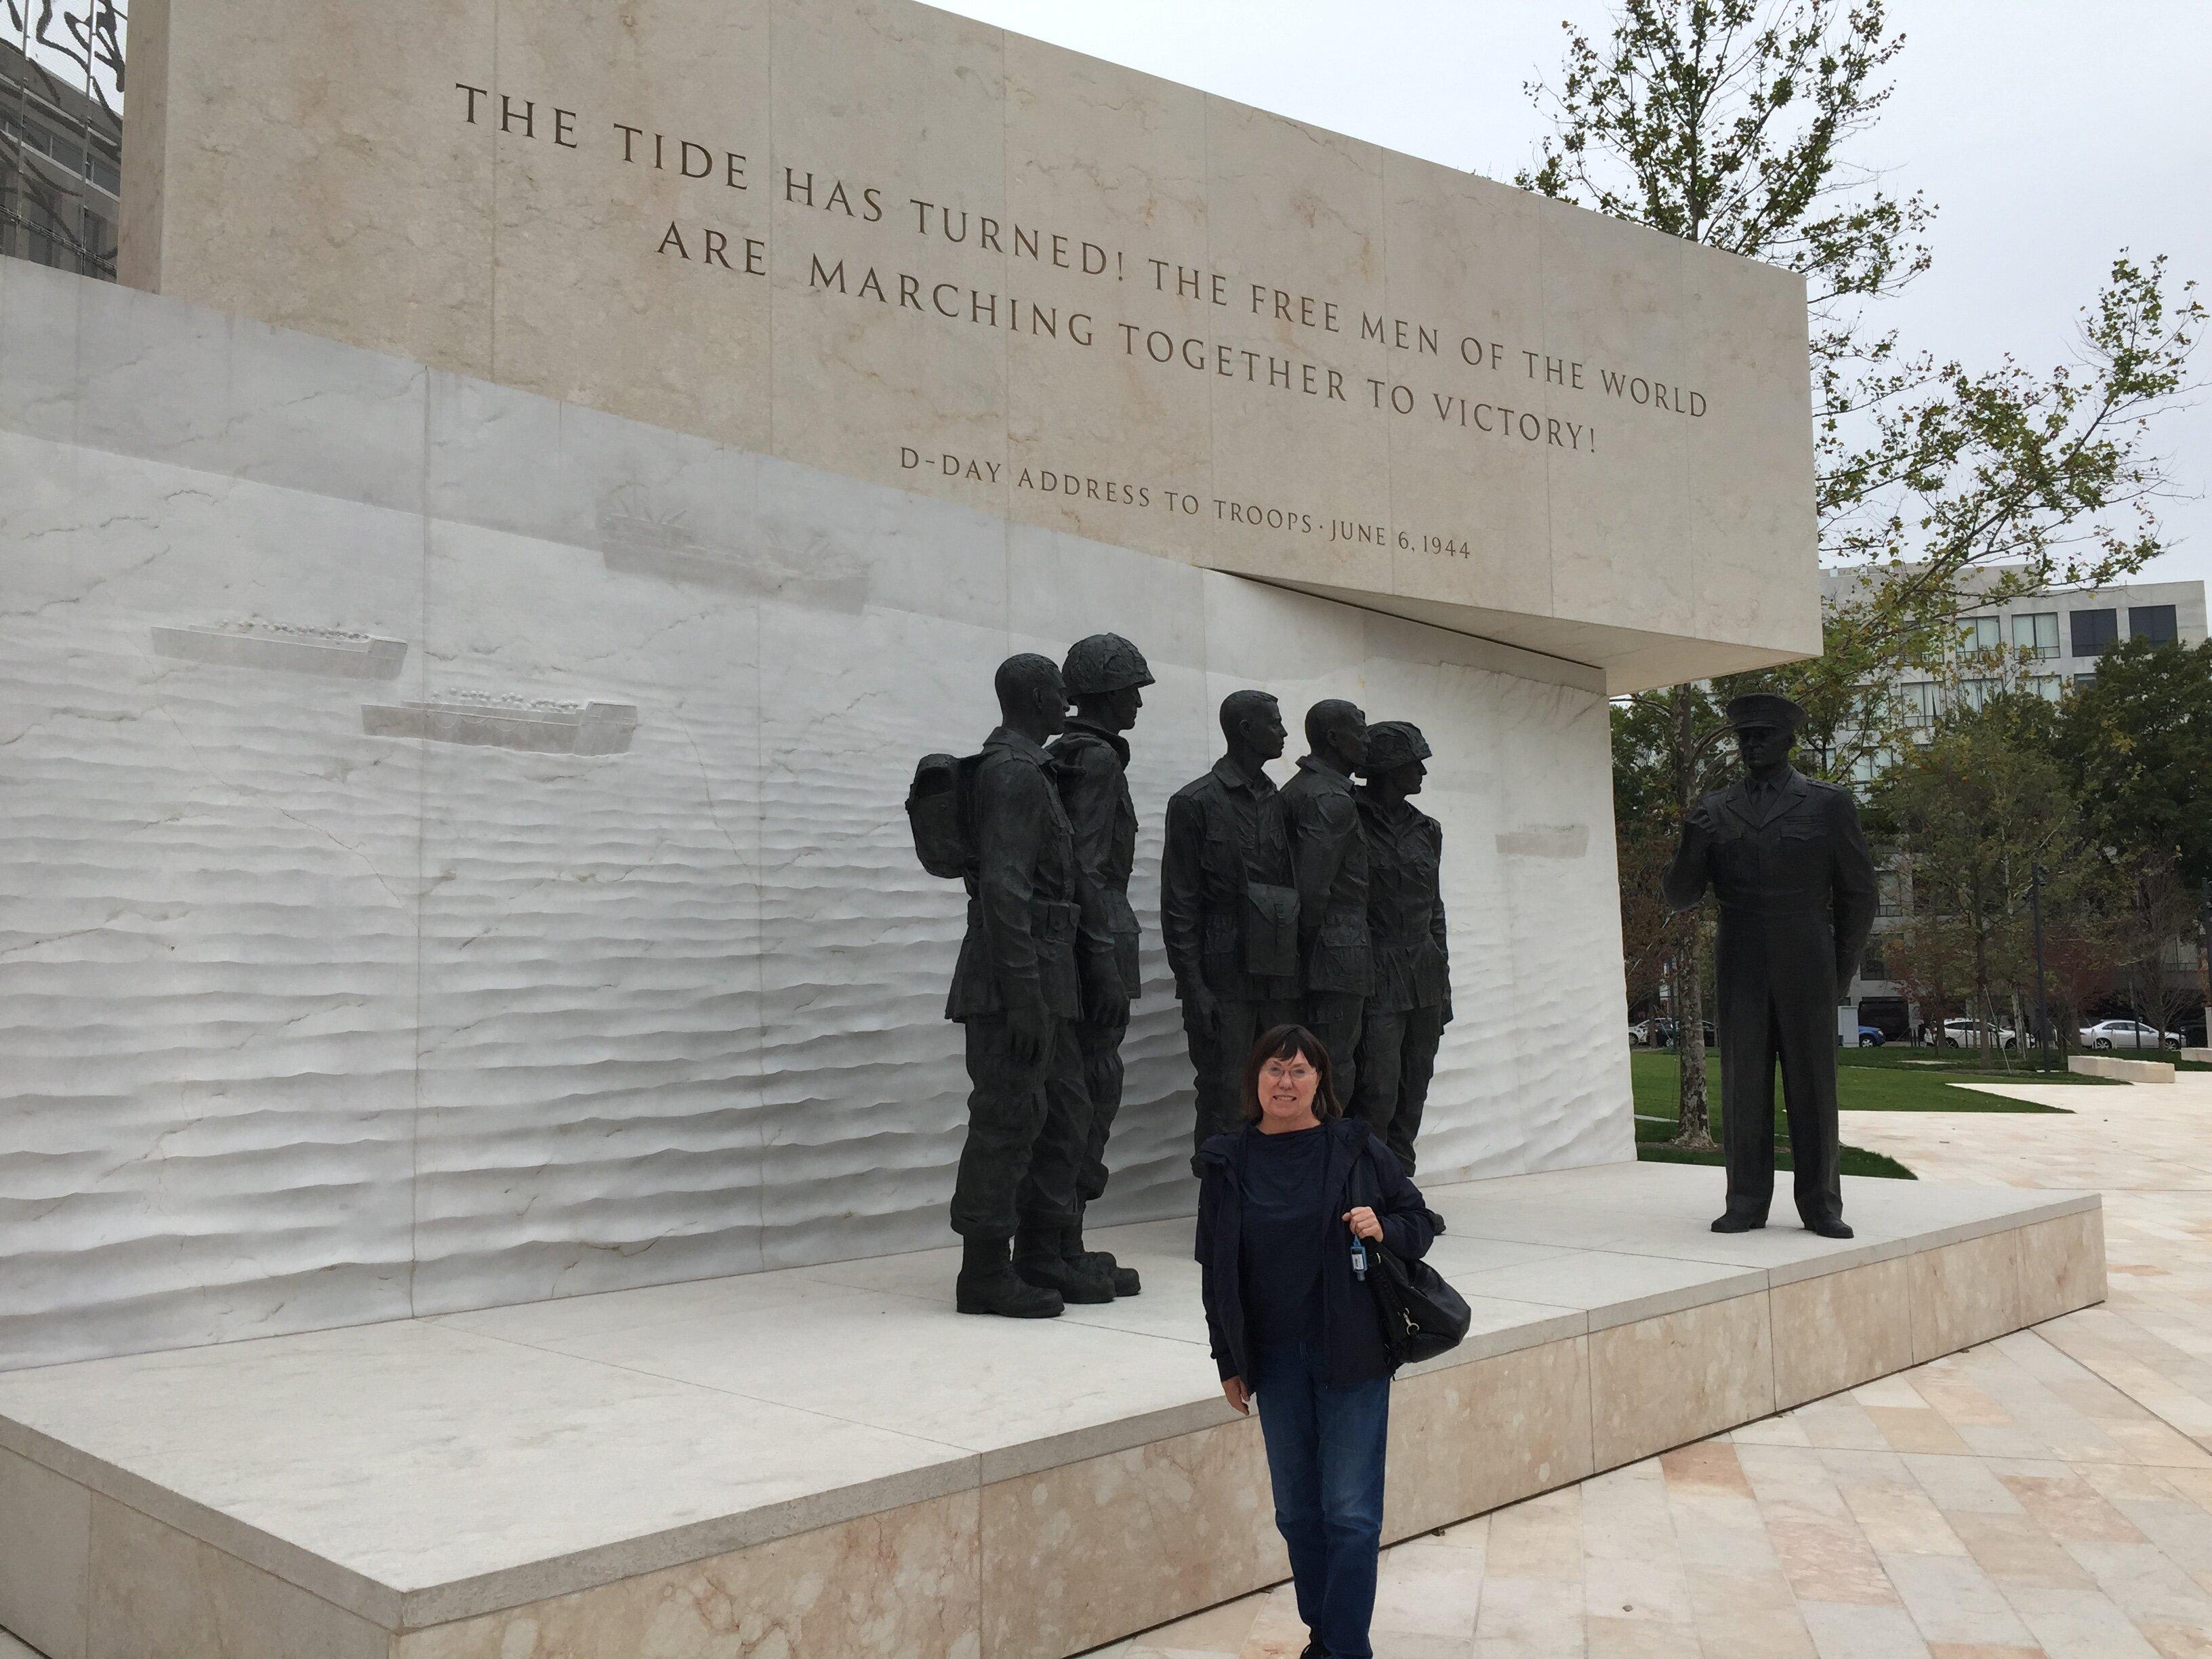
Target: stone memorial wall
[[470, 628], [887, 240]]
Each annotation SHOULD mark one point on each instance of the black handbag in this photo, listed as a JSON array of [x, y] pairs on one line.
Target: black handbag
[[1422, 1315]]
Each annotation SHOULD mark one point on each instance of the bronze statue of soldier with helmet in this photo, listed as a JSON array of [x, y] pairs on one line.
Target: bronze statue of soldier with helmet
[[1106, 675]]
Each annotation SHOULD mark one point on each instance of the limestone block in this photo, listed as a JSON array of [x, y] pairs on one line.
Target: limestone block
[[2061, 1266], [900, 1582], [1470, 1437], [155, 1591], [1064, 1570], [45, 1530], [1834, 1331], [910, 248], [2125, 1070], [1966, 1293], [1661, 1381]]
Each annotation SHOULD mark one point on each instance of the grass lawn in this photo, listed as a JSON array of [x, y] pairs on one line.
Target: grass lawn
[[1890, 1079], [1894, 1079]]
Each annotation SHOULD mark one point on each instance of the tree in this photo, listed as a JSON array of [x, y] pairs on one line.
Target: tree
[[1973, 811], [1732, 124], [2137, 742]]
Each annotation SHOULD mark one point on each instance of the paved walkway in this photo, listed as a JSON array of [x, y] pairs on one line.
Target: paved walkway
[[2049, 1493]]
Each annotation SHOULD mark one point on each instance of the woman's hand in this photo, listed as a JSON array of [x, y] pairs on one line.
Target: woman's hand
[[1234, 1391], [1362, 1223]]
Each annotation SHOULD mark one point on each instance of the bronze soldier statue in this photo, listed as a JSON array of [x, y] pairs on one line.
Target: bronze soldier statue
[[1229, 910], [1105, 675], [1784, 855], [1017, 993], [1411, 1004], [1328, 850]]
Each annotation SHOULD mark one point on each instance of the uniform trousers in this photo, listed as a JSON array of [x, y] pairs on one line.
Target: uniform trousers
[[1027, 1123], [1100, 1048], [1397, 1058]]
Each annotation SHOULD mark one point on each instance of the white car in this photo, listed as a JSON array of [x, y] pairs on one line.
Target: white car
[[1967, 1034], [2128, 1033]]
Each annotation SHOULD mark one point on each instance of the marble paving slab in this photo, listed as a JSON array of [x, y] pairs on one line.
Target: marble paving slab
[[433, 1468]]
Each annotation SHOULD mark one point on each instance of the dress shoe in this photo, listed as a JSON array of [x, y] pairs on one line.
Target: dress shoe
[[1732, 1222], [1838, 1228]]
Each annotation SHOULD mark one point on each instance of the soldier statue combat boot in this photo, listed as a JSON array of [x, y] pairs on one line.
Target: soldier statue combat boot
[[1038, 1261], [988, 1284], [1124, 1280]]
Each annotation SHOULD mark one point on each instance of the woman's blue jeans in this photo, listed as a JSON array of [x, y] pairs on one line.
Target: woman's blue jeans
[[1325, 1451]]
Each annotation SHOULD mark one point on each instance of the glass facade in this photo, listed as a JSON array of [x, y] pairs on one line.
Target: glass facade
[[61, 132], [2035, 635], [2154, 622], [2095, 632]]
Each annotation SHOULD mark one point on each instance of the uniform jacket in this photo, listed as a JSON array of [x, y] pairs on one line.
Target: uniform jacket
[[1328, 850], [1353, 1350], [1795, 879], [1405, 906], [1023, 921], [1225, 832], [1094, 789]]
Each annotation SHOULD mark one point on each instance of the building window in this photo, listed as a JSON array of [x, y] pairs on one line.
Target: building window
[[1976, 694], [2045, 686], [2083, 682], [1980, 633], [2095, 632], [2035, 636], [2154, 622], [1889, 887], [1918, 699]]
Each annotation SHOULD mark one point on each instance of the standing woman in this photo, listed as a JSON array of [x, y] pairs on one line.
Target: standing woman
[[1294, 1326]]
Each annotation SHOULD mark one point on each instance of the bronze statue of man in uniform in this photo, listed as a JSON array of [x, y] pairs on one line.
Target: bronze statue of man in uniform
[[1784, 855], [1105, 675], [1229, 911], [1018, 992], [1328, 850], [1412, 1001]]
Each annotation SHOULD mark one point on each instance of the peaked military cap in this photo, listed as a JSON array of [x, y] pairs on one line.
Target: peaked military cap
[[1393, 744], [1764, 708], [1102, 663]]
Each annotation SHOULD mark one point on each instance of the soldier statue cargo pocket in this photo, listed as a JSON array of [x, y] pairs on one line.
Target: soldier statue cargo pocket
[[1271, 930]]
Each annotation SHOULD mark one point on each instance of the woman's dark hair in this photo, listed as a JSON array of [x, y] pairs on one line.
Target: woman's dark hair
[[1291, 1042]]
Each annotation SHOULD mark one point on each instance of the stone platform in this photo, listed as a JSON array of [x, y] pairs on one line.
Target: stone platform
[[829, 1458]]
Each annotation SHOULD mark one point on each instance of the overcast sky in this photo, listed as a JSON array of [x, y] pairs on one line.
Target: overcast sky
[[2049, 133]]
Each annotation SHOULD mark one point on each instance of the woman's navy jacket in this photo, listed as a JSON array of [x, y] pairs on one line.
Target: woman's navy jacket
[[1351, 1324]]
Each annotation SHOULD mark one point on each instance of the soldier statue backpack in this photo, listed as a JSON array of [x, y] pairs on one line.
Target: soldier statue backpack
[[938, 810]]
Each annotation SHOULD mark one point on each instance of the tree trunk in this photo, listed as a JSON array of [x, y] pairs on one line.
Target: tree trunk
[[1984, 1014], [1693, 1130]]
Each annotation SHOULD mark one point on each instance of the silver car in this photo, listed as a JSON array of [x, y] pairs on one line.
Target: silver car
[[2128, 1033]]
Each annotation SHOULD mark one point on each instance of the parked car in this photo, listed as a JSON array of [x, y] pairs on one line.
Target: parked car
[[2128, 1033], [1967, 1034], [1870, 1037]]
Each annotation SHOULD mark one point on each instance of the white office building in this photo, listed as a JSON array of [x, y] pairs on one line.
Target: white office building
[[2048, 644]]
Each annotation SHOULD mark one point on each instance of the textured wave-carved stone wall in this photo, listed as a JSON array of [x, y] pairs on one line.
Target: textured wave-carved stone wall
[[609, 963]]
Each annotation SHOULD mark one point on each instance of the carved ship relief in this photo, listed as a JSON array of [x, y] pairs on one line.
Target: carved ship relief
[[537, 725], [638, 541], [331, 653]]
